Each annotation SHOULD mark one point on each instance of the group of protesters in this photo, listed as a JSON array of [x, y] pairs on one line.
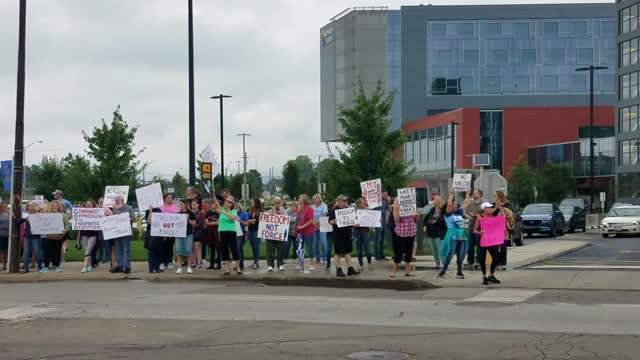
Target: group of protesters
[[218, 229]]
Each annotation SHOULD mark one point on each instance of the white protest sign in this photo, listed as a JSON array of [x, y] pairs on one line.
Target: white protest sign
[[149, 196], [369, 218], [111, 192], [46, 224], [115, 226], [346, 217], [273, 227], [461, 182], [407, 200], [372, 192], [39, 199], [324, 224], [207, 154], [86, 218], [169, 225]]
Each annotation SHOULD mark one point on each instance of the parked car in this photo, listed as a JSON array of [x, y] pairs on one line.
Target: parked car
[[618, 204], [542, 219], [622, 220], [581, 203], [574, 218]]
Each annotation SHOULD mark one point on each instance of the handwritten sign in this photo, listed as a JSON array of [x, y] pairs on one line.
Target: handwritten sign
[[86, 218], [115, 226], [372, 192], [346, 217], [324, 224], [169, 225], [46, 224], [111, 192], [461, 182], [39, 200], [407, 200], [149, 196], [493, 230], [273, 227], [207, 154], [369, 218]]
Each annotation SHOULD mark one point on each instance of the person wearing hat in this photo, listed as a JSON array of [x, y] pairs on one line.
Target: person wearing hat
[[487, 211], [342, 242], [59, 195]]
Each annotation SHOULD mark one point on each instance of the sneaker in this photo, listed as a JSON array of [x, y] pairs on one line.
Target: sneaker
[[170, 266], [59, 269], [162, 267], [89, 269], [189, 271], [311, 268], [328, 266], [270, 269], [84, 270], [468, 266], [485, 281], [180, 270], [115, 270], [351, 271], [441, 274], [340, 273], [493, 280], [204, 262], [460, 276], [254, 266], [44, 270], [199, 267], [360, 269], [503, 267], [127, 271], [281, 268]]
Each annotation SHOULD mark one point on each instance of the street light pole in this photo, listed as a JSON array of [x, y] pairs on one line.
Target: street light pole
[[221, 97], [591, 69], [24, 158], [244, 158], [192, 116]]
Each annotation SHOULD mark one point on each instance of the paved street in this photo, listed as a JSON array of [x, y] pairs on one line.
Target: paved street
[[140, 320]]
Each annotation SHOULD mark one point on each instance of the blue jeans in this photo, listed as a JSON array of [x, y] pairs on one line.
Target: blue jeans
[[255, 245], [363, 243], [459, 249], [104, 252], [35, 243], [154, 260], [308, 240], [291, 240], [240, 241], [471, 247], [123, 252], [319, 246], [379, 242]]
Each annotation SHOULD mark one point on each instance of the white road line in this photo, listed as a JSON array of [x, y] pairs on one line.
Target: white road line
[[22, 311], [504, 296], [586, 267]]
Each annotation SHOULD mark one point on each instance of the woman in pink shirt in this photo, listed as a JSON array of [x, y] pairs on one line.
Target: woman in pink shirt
[[306, 227]]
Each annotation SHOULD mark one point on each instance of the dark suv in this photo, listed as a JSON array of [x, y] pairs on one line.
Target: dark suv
[[542, 219]]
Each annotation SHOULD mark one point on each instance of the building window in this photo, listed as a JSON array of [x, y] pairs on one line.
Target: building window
[[494, 84], [585, 56], [438, 31], [551, 29], [452, 87], [556, 56], [629, 18], [578, 83], [629, 86], [579, 29], [607, 29], [465, 31], [439, 85], [522, 30], [491, 137], [466, 85], [628, 119], [500, 57], [494, 31], [528, 57], [521, 84], [629, 152], [443, 57], [550, 83], [629, 52], [629, 185], [471, 57], [607, 82]]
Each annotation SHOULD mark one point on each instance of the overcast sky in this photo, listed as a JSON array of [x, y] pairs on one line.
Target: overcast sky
[[84, 57]]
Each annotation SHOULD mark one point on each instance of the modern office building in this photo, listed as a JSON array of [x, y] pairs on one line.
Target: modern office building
[[627, 128]]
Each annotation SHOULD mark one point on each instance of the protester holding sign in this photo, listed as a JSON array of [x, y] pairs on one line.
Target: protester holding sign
[[166, 252], [473, 212], [254, 222], [436, 229], [293, 215], [319, 246], [123, 244], [363, 237], [227, 231], [503, 207], [215, 257], [487, 210], [184, 245], [153, 244], [342, 239], [53, 243], [31, 242], [275, 248], [455, 241], [198, 234], [306, 227], [405, 230], [89, 238]]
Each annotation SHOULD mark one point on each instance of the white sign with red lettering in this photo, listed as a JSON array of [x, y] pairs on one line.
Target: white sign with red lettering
[[169, 225], [86, 218], [372, 192], [273, 227]]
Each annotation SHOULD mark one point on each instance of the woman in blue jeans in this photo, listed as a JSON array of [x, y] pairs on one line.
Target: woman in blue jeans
[[123, 244], [319, 245], [455, 241], [363, 239], [254, 220], [31, 242]]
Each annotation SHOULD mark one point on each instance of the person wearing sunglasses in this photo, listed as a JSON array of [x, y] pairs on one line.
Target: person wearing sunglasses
[[227, 233]]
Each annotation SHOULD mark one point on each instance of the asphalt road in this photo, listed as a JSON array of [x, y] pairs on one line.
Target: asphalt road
[[139, 320]]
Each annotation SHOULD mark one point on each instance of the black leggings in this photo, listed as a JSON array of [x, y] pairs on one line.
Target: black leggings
[[228, 241], [166, 251], [482, 257], [52, 251], [402, 248]]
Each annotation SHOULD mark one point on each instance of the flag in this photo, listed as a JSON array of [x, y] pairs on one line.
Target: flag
[[300, 251]]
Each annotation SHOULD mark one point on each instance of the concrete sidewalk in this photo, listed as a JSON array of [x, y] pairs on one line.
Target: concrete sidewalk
[[425, 276]]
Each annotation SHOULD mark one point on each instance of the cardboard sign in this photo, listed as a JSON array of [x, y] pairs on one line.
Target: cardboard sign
[[111, 192], [86, 218], [346, 217], [207, 154], [369, 218], [115, 226], [493, 230], [407, 200], [273, 227], [372, 192], [461, 182], [46, 224], [324, 224], [149, 196], [169, 225]]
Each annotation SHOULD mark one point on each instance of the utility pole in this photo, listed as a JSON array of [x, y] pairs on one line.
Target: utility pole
[[17, 176], [318, 176], [244, 158], [239, 161], [221, 97], [192, 112]]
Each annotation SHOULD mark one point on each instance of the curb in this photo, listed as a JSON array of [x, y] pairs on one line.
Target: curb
[[546, 256]]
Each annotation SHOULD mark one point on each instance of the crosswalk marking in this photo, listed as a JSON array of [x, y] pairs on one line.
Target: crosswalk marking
[[21, 311], [504, 296]]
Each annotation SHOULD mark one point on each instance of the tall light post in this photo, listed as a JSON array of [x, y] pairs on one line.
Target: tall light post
[[591, 69], [192, 116], [221, 97], [244, 158], [24, 158]]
